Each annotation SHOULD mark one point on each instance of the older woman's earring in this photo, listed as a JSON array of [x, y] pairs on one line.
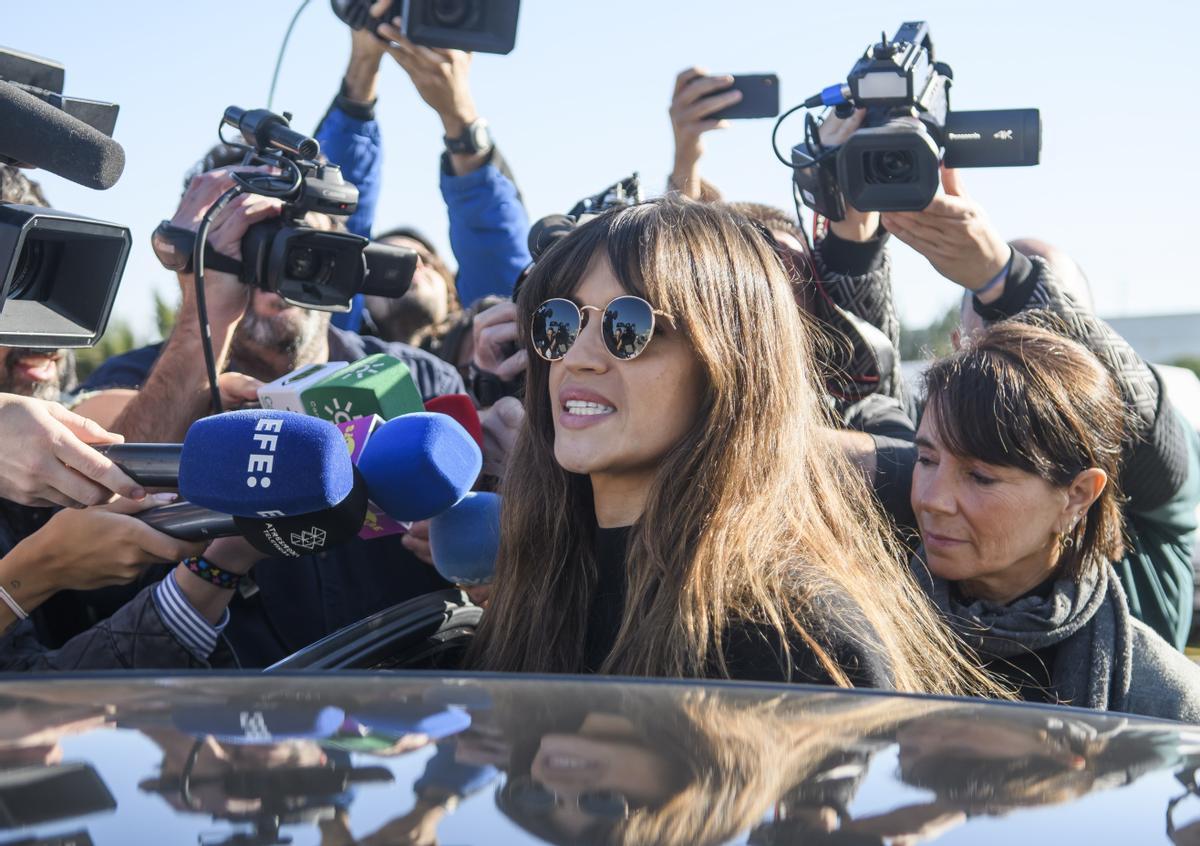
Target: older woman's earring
[[1066, 540]]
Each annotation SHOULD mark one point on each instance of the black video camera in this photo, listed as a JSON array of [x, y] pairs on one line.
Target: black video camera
[[308, 267], [483, 26], [891, 163], [59, 271]]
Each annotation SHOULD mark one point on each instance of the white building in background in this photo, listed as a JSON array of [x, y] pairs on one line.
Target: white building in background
[[1161, 338]]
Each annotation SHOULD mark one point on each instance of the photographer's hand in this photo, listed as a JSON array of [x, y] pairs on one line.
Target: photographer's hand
[[47, 460], [857, 225], [953, 232], [176, 393], [495, 331], [442, 78], [501, 424], [366, 51], [690, 111]]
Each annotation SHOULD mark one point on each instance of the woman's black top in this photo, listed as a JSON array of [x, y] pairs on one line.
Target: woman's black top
[[752, 651]]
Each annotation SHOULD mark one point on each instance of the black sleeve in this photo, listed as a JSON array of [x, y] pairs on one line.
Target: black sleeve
[[857, 276], [886, 420], [134, 638], [1155, 462]]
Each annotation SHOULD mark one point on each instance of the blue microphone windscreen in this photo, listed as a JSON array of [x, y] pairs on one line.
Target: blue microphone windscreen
[[404, 718], [466, 538], [259, 724], [419, 465], [259, 463]]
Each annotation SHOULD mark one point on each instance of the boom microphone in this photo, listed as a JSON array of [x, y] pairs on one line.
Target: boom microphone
[[466, 538], [37, 134], [419, 465]]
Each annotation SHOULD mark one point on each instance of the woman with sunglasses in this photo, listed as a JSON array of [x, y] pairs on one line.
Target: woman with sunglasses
[[673, 506]]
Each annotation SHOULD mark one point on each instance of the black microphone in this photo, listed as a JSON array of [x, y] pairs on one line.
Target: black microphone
[[286, 537], [37, 134], [266, 129]]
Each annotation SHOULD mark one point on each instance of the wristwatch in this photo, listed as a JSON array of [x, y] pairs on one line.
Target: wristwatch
[[475, 138]]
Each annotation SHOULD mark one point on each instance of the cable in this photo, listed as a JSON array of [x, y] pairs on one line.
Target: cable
[[282, 49], [825, 152], [210, 364]]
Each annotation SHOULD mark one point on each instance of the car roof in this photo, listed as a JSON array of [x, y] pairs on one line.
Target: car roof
[[247, 758]]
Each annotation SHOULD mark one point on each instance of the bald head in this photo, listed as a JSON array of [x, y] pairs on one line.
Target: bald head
[[1065, 268]]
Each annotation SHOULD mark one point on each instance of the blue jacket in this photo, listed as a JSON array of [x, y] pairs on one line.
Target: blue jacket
[[488, 223]]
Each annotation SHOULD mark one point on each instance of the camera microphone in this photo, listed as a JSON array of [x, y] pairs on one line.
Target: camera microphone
[[264, 129], [35, 133]]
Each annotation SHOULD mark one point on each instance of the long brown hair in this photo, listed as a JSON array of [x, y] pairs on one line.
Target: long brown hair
[[1022, 395], [755, 515], [728, 755]]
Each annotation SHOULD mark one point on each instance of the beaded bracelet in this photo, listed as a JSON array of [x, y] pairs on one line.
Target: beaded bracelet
[[211, 573]]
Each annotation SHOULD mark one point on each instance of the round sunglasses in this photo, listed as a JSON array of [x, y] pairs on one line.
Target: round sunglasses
[[627, 325], [537, 799]]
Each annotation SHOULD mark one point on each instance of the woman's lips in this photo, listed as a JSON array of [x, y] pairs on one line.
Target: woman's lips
[[581, 409], [940, 542]]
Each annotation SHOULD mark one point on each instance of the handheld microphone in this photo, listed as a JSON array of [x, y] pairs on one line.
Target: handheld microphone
[[258, 722], [285, 537], [466, 538], [419, 465], [37, 134], [461, 408], [378, 384], [285, 463], [284, 394]]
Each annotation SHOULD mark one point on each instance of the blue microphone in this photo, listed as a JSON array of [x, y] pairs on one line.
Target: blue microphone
[[259, 723], [262, 463], [466, 538], [419, 465]]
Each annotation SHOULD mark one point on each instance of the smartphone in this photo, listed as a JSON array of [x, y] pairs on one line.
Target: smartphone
[[760, 97]]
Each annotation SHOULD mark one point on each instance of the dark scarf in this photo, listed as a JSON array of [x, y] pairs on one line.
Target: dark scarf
[[1088, 620]]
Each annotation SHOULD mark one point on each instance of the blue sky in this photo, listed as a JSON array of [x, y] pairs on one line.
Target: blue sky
[[582, 102]]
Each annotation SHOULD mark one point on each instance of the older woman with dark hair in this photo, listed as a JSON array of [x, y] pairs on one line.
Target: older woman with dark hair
[[1016, 498]]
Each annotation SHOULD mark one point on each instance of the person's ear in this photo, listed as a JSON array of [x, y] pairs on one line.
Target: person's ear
[[1084, 489]]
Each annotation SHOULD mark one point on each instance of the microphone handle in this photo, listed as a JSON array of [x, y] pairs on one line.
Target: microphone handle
[[152, 465], [187, 521]]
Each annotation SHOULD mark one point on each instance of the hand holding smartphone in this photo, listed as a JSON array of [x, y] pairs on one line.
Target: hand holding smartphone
[[760, 97]]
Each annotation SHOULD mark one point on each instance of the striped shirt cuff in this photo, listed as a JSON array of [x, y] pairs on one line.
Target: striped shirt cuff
[[183, 621]]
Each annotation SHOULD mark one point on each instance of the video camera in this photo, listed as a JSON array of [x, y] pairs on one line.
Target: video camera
[[891, 163], [308, 267], [484, 26], [59, 271]]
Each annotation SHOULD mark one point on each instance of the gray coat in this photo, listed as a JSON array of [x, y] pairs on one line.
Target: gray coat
[[1105, 659]]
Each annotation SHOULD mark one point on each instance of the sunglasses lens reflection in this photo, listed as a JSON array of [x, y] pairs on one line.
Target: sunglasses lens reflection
[[628, 324], [554, 328]]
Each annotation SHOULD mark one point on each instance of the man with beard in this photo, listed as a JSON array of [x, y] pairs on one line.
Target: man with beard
[[41, 374], [287, 603]]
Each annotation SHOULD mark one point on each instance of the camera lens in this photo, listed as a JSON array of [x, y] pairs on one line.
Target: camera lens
[[453, 14], [29, 269], [304, 264], [888, 167]]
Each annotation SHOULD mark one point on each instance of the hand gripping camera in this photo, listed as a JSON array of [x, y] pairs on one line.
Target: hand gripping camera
[[306, 266], [891, 163]]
